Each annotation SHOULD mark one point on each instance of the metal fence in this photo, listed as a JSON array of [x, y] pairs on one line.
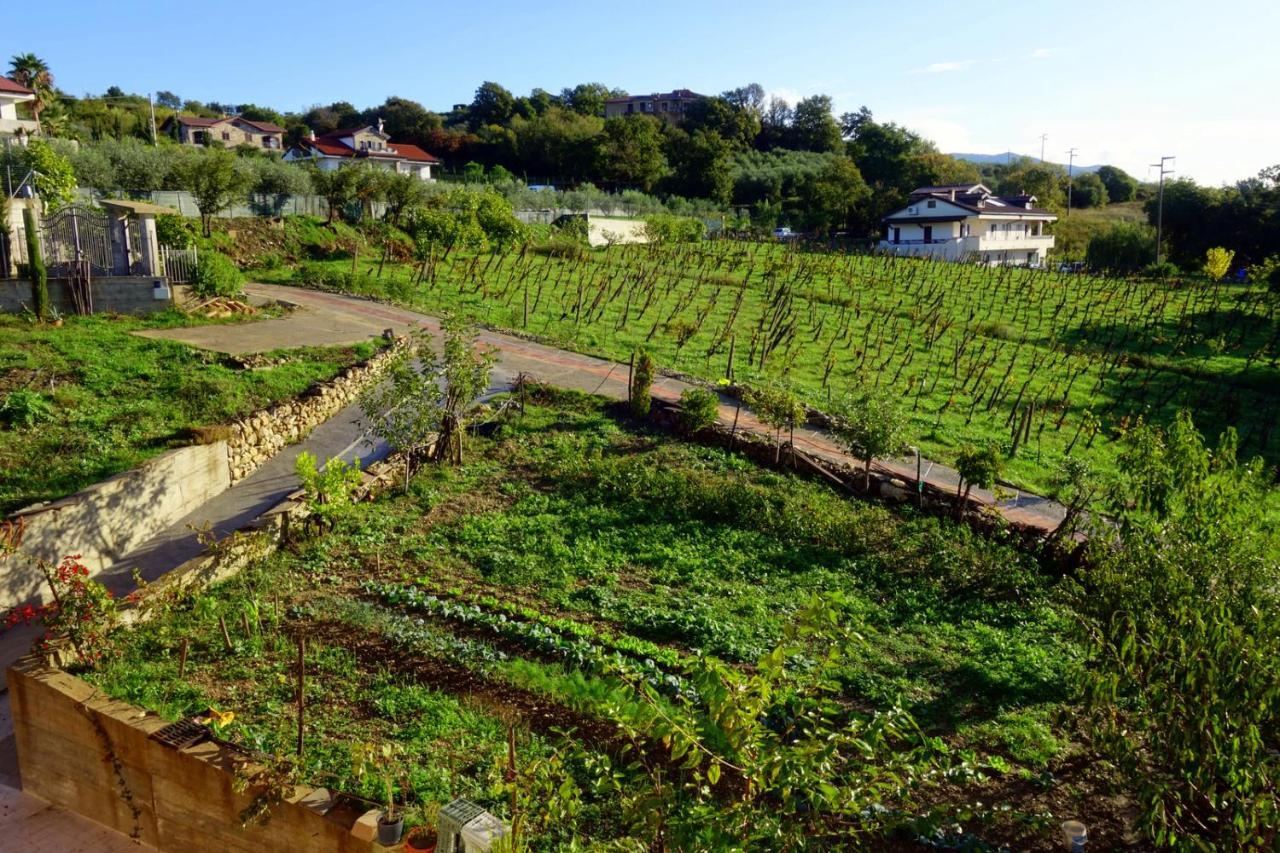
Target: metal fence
[[179, 264], [260, 204]]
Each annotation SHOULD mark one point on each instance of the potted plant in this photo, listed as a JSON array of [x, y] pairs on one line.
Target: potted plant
[[423, 836], [380, 762]]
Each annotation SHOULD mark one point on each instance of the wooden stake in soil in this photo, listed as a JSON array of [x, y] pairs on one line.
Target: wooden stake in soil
[[182, 656], [302, 683], [733, 430], [226, 637], [631, 366], [244, 623]]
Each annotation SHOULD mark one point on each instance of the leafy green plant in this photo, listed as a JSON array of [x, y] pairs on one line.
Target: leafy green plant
[[779, 409], [331, 488], [25, 408], [641, 381], [872, 424], [381, 763], [978, 465], [217, 275], [175, 231], [699, 409], [1183, 677], [1217, 262]]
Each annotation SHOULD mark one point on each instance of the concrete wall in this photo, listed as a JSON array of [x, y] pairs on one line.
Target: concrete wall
[[120, 294], [109, 519], [95, 756], [619, 231]]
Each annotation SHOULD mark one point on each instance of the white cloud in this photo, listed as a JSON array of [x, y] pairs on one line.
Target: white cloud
[[944, 67], [1040, 53]]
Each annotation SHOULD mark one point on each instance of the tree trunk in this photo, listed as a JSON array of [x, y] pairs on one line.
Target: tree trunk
[[866, 476]]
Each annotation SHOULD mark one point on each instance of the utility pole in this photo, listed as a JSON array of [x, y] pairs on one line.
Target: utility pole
[[1043, 137], [151, 105], [1160, 201], [1071, 160]]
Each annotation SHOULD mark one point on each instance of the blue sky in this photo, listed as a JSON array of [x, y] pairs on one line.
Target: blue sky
[[1123, 81]]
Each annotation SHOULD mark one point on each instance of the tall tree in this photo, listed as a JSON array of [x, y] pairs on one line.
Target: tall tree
[[813, 127], [1120, 185], [588, 98], [215, 178], [31, 71], [492, 104], [630, 151], [775, 124]]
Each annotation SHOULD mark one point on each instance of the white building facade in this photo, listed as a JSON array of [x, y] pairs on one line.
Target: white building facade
[[970, 223], [11, 94]]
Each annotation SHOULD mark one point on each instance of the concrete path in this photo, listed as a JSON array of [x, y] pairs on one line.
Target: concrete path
[[329, 319]]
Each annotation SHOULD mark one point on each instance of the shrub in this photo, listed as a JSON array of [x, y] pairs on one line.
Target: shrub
[[666, 228], [175, 231], [1162, 270], [331, 488], [641, 380], [217, 275], [25, 408], [1124, 247], [1217, 262], [699, 409]]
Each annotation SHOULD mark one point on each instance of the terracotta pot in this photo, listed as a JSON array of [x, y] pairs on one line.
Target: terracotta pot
[[421, 838]]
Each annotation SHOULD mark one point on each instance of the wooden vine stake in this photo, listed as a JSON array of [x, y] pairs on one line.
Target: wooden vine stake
[[182, 656], [226, 636], [302, 683]]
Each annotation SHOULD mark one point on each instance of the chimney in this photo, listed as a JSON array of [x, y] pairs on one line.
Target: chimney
[[953, 193], [379, 124], [311, 134]]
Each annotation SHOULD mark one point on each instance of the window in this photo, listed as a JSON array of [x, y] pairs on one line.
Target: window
[[931, 203], [226, 135]]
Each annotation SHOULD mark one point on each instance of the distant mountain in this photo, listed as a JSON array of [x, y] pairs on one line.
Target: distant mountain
[[992, 159]]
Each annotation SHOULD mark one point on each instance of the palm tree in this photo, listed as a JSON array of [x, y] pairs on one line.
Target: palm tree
[[31, 71]]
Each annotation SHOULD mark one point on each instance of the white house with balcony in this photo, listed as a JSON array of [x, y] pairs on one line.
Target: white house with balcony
[[970, 223], [11, 94], [363, 145]]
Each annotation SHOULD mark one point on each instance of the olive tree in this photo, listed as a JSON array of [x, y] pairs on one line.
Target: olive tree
[[977, 465], [870, 424], [777, 408], [216, 178]]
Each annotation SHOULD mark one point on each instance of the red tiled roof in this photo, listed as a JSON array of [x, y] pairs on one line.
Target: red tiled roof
[[7, 85], [412, 152], [327, 146]]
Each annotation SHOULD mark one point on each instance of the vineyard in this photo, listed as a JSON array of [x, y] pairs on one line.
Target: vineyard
[[1045, 364], [578, 575]]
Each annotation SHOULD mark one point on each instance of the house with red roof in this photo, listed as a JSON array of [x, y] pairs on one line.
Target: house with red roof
[[367, 144], [228, 131], [11, 94]]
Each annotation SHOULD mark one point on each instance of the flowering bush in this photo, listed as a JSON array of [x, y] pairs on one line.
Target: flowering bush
[[82, 610]]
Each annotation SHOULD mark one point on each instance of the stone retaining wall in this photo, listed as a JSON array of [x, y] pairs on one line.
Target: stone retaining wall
[[256, 438]]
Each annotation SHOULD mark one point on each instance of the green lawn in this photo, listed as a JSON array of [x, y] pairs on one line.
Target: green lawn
[[489, 592], [972, 351], [112, 399]]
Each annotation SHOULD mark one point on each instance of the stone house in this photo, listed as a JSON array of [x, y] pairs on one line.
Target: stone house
[[669, 106], [228, 131]]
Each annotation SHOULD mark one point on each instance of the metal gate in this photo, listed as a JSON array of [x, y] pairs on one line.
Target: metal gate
[[179, 264]]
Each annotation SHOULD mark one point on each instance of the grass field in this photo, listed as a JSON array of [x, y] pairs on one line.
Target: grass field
[[97, 400], [489, 593], [1066, 362]]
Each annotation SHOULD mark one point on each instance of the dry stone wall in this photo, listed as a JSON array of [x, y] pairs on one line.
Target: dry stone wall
[[257, 437]]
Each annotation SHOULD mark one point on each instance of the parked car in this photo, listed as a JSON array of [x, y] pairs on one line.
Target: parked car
[[783, 234], [1072, 267]]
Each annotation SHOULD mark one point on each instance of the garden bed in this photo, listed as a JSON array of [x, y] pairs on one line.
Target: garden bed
[[577, 576]]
